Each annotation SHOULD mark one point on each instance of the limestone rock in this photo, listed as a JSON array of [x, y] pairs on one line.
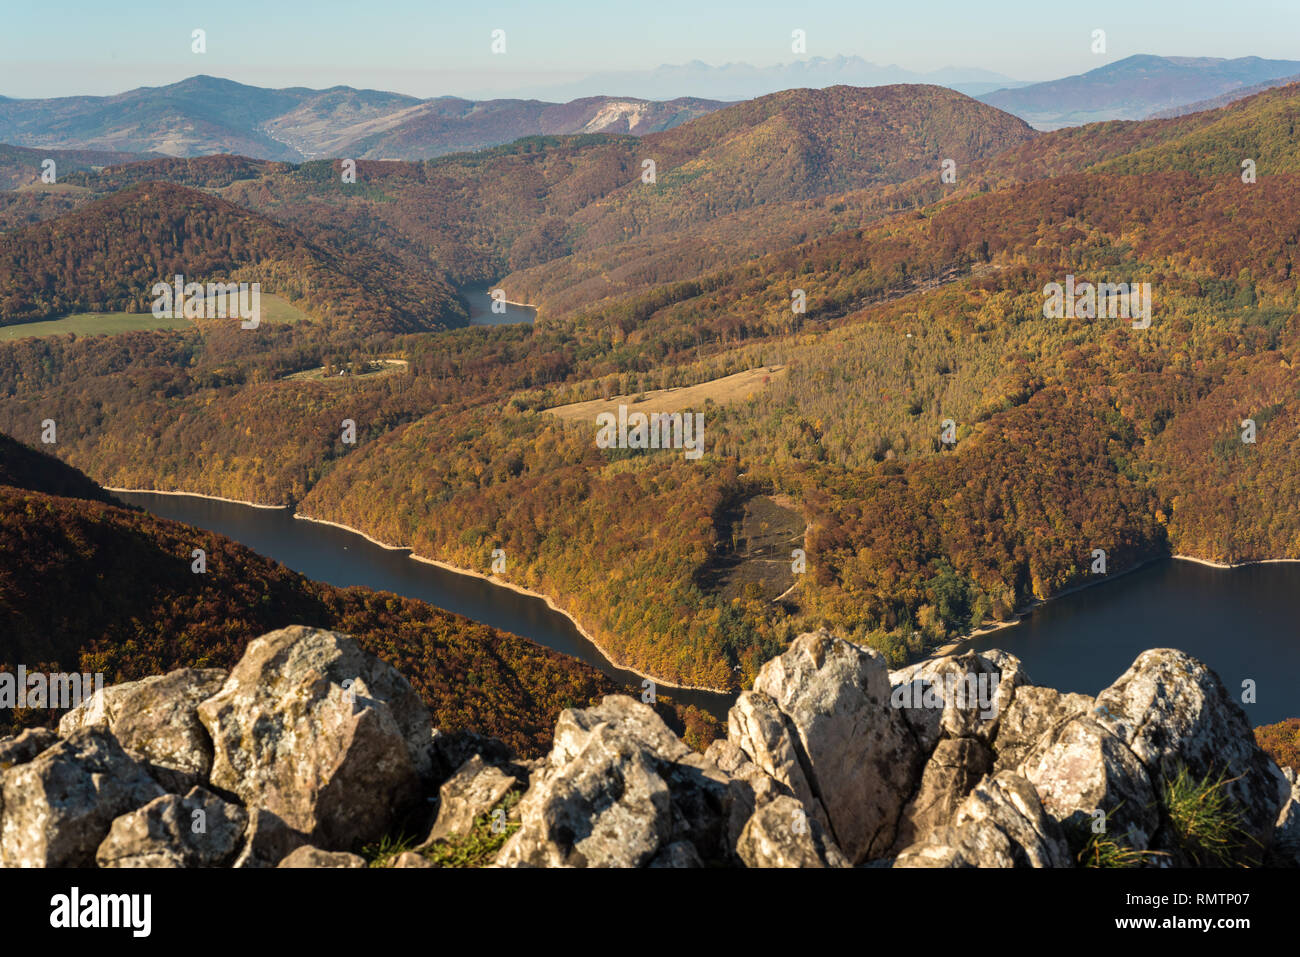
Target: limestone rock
[[781, 834], [474, 790], [197, 830], [1286, 834], [617, 788], [154, 719], [59, 806], [1079, 767], [323, 734], [957, 696], [23, 747], [859, 753], [1173, 712], [954, 769], [757, 728], [1001, 823], [267, 840], [308, 856], [411, 859], [1032, 713]]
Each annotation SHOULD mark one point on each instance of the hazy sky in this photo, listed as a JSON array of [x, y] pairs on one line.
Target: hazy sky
[[432, 47]]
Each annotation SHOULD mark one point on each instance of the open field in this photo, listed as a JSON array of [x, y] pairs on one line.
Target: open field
[[91, 324], [274, 309], [387, 367], [728, 389]]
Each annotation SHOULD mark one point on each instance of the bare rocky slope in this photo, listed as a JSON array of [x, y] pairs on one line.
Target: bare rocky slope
[[311, 749]]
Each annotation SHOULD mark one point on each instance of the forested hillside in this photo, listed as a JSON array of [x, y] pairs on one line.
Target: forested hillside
[[105, 588], [924, 303]]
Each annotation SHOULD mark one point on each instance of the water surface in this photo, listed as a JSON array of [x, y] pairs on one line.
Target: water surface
[[339, 557]]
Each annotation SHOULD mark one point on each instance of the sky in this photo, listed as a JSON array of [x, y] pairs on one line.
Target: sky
[[432, 47]]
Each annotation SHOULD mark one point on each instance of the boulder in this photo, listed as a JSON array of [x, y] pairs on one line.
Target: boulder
[[1173, 713], [617, 788], [750, 788], [308, 856], [197, 830], [1032, 713], [1080, 767], [325, 735], [781, 834], [59, 806], [954, 768], [411, 859], [23, 747], [860, 756], [154, 719], [957, 696], [267, 840], [758, 730], [474, 790], [1001, 823]]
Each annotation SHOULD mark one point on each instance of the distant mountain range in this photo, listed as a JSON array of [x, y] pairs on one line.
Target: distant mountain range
[[1136, 87], [744, 81], [204, 115]]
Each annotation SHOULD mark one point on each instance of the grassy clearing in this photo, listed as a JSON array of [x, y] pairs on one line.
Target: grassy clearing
[[728, 389], [274, 310]]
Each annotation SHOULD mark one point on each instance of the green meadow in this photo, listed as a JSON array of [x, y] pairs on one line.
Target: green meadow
[[274, 309]]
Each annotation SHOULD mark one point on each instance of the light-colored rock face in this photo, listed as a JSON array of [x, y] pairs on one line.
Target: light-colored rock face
[[155, 720], [1080, 767], [309, 856], [953, 770], [1286, 834], [1032, 713], [859, 754], [59, 806], [1001, 823], [781, 834], [324, 735], [606, 807], [197, 830], [1173, 712], [959, 696], [616, 790], [758, 730], [474, 790]]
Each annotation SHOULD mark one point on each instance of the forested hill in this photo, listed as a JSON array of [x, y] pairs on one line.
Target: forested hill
[[107, 255], [89, 586]]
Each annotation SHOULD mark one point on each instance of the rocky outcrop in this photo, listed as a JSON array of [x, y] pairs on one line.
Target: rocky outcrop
[[154, 719], [858, 755], [781, 834], [1174, 714], [331, 739], [59, 806], [1001, 823], [309, 856], [197, 830], [472, 791], [617, 789], [311, 748]]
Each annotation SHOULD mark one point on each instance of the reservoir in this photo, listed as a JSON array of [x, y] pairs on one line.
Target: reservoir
[[339, 557], [1242, 622], [479, 300]]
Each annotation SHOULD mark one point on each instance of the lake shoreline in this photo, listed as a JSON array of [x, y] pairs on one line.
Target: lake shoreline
[[499, 582], [519, 589]]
